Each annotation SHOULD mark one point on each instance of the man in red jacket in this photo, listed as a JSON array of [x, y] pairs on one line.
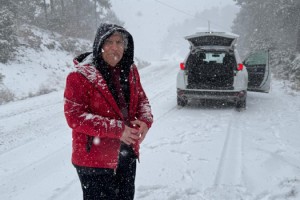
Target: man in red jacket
[[109, 114]]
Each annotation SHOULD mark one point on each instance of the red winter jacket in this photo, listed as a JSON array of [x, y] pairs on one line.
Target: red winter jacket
[[91, 110]]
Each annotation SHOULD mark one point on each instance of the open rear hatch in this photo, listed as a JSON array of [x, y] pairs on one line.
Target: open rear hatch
[[209, 39], [211, 62], [210, 70]]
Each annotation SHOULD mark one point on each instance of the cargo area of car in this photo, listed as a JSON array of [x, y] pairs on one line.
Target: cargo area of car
[[210, 70]]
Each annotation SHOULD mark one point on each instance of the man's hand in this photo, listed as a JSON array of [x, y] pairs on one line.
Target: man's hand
[[129, 135], [142, 129]]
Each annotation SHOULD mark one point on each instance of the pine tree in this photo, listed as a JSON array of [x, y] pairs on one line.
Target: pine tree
[[76, 18], [273, 25], [8, 39], [27, 10], [297, 8]]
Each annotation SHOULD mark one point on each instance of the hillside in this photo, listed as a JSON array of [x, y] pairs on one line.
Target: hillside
[[43, 60]]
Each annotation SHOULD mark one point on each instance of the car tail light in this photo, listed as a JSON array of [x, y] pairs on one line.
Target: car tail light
[[240, 67], [242, 94], [182, 66]]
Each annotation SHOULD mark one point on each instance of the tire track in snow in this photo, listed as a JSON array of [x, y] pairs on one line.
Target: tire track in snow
[[229, 169], [158, 99]]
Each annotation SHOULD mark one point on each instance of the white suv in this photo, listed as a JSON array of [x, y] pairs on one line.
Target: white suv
[[214, 70]]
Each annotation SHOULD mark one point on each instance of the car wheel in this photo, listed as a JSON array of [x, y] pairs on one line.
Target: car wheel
[[241, 104], [181, 102]]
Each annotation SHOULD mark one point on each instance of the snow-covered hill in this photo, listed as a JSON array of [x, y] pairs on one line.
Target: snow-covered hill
[[41, 64]]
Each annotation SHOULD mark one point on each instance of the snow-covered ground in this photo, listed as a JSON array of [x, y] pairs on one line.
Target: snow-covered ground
[[192, 153]]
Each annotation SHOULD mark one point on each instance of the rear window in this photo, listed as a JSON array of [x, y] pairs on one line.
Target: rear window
[[214, 57], [211, 57]]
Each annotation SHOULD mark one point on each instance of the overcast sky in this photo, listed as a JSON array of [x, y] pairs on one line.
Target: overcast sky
[[148, 20]]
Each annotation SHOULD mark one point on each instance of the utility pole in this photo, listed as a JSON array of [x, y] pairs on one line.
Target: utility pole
[[298, 29], [46, 15], [298, 35], [96, 21]]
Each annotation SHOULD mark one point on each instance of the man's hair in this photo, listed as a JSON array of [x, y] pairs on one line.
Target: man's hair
[[124, 36]]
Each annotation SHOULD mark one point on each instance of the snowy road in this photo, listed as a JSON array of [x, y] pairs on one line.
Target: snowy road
[[192, 153]]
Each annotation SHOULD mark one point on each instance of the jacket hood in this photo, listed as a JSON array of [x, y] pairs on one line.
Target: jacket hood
[[95, 58], [106, 30]]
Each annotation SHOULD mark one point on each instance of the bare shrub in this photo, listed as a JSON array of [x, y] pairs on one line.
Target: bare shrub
[[6, 95], [42, 90], [73, 45], [295, 73], [141, 63], [68, 45], [50, 46], [30, 39], [1, 78]]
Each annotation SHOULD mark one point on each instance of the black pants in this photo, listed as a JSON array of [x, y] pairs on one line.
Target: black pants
[[106, 184]]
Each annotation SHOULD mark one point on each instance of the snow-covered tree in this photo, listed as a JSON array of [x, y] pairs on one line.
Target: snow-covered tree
[[273, 25], [8, 39], [268, 23], [76, 18], [27, 10]]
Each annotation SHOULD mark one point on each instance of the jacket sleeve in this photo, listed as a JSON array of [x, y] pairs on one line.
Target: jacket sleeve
[[144, 112], [77, 112]]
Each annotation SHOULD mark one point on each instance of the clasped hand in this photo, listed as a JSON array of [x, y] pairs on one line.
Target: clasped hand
[[135, 134]]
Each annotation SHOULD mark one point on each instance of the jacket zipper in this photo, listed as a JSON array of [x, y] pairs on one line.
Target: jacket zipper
[[115, 169]]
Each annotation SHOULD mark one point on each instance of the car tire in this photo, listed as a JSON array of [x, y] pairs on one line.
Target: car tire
[[181, 102], [241, 104]]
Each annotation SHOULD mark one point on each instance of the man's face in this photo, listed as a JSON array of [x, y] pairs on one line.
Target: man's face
[[113, 49]]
